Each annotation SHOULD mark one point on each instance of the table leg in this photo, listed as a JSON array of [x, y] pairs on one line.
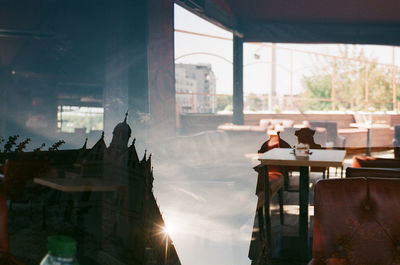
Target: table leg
[[369, 133], [267, 216], [303, 217]]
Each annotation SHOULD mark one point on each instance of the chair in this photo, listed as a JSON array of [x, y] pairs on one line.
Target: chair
[[306, 136], [5, 257], [370, 172], [396, 141], [333, 139], [376, 162], [356, 221], [261, 243]]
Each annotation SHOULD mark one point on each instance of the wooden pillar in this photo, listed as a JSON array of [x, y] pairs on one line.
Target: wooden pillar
[[238, 80], [161, 67]]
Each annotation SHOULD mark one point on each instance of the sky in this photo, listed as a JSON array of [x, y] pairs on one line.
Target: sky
[[257, 72]]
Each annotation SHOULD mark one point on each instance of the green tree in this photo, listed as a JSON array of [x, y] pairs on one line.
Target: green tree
[[318, 86], [350, 83]]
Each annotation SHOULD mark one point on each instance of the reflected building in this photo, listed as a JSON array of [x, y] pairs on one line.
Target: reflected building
[[195, 86]]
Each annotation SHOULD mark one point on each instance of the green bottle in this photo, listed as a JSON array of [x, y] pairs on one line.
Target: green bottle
[[61, 251]]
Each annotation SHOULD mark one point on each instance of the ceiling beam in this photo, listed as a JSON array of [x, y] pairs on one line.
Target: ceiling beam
[[209, 11]]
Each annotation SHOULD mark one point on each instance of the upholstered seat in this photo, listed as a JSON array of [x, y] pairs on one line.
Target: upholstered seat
[[371, 172], [356, 221], [369, 161]]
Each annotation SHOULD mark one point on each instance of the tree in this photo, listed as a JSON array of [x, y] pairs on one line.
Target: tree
[[350, 83]]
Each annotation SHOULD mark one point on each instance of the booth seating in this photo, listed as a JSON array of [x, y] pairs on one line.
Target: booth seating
[[356, 221], [262, 238], [5, 257], [263, 127]]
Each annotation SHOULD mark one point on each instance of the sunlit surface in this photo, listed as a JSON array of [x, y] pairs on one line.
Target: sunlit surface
[[169, 229]]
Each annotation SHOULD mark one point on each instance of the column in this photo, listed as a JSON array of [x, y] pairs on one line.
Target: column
[[238, 117]]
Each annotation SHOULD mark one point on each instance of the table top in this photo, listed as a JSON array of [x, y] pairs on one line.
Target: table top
[[318, 158], [78, 184]]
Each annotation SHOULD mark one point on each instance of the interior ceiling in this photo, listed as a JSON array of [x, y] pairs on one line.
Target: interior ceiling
[[327, 11], [308, 21], [54, 37]]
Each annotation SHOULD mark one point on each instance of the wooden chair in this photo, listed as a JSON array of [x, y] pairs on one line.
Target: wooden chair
[[261, 243], [306, 136]]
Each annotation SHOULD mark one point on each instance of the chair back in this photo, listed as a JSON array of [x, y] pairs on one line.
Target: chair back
[[369, 161], [274, 141], [330, 126], [370, 172], [356, 221], [306, 136]]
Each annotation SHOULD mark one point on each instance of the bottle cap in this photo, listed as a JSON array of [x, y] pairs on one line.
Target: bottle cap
[[62, 246]]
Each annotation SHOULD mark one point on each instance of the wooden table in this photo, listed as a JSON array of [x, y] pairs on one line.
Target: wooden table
[[318, 158]]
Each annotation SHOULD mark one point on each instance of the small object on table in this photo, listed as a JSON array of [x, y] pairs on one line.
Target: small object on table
[[302, 151]]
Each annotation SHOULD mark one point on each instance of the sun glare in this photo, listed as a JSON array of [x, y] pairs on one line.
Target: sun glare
[[169, 229]]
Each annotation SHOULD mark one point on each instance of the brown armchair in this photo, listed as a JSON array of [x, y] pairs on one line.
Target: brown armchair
[[356, 221]]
